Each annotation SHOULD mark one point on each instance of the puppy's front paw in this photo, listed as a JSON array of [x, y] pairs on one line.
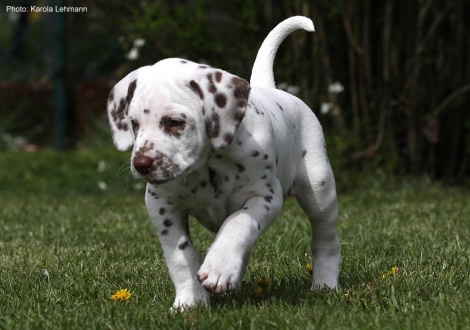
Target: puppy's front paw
[[184, 304], [221, 273]]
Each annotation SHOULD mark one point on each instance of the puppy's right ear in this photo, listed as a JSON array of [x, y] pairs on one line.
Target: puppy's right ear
[[119, 100]]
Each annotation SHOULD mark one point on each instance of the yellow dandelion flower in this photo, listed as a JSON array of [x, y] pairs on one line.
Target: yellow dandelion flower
[[259, 290], [122, 294], [264, 282], [384, 276], [309, 268], [394, 270]]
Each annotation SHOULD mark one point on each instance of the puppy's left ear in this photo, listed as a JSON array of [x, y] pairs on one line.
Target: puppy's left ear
[[119, 100], [224, 100]]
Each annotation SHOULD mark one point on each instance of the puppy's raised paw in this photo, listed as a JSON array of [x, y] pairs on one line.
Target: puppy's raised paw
[[222, 273]]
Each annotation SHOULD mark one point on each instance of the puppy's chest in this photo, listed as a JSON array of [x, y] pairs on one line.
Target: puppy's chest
[[212, 195]]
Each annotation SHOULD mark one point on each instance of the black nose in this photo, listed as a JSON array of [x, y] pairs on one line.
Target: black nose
[[143, 164]]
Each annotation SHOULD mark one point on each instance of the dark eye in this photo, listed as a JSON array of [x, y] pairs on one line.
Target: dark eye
[[176, 122]]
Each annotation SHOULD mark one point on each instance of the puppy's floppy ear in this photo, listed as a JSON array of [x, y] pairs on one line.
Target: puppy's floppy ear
[[119, 100], [224, 99]]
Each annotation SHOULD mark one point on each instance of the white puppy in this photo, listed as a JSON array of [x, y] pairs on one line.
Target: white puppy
[[212, 146]]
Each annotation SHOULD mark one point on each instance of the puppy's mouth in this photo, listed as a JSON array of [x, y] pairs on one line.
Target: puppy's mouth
[[156, 170]]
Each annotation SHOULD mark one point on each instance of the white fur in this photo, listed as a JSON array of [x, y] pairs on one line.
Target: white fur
[[262, 74], [231, 174]]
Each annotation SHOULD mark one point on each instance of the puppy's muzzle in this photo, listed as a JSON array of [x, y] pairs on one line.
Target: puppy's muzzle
[[143, 164]]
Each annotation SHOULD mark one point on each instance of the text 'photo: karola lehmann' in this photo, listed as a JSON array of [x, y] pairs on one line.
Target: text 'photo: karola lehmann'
[[45, 9]]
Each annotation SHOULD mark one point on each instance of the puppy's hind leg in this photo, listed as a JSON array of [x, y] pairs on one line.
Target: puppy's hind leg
[[316, 193]]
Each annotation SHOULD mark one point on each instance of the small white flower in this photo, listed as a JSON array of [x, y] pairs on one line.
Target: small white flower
[[139, 42], [288, 88], [133, 54], [13, 143], [102, 185], [292, 90], [326, 107], [46, 274], [13, 16], [336, 88], [138, 186], [394, 103], [101, 166], [282, 86]]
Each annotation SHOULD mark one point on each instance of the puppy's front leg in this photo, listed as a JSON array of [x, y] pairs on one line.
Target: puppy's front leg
[[182, 259], [227, 259]]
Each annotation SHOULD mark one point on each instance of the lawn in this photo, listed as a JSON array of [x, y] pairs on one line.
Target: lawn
[[74, 230]]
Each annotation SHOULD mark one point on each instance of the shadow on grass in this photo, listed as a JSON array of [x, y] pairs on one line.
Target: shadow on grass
[[290, 291]]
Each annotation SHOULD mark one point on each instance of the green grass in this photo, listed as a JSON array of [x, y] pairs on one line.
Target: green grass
[[92, 242]]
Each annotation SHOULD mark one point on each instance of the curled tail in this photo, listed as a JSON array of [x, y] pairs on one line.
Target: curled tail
[[262, 74]]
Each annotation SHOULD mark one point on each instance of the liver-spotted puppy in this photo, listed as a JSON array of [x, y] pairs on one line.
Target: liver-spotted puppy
[[212, 146]]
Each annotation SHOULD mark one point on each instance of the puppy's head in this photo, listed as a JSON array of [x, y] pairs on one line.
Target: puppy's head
[[174, 113]]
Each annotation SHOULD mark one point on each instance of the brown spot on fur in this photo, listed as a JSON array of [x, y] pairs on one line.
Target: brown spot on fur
[[167, 223], [111, 95], [119, 114], [270, 188], [221, 100], [239, 115], [164, 231], [265, 156], [183, 62], [196, 89], [146, 111], [241, 104], [268, 198], [183, 245], [255, 153], [242, 88], [162, 211], [130, 91], [212, 88], [304, 153], [213, 125], [266, 207], [240, 167], [228, 137], [280, 106], [218, 76]]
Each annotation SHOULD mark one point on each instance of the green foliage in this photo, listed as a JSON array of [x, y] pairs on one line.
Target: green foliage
[[201, 31], [93, 242]]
